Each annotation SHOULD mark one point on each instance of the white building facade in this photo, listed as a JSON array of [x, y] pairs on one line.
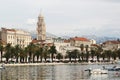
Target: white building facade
[[16, 37]]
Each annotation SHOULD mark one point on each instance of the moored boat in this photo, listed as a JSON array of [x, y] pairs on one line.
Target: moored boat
[[97, 71]]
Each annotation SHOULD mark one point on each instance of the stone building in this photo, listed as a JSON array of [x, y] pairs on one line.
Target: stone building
[[15, 37], [111, 45], [77, 41]]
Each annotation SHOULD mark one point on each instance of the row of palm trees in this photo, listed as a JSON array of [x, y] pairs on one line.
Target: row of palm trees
[[31, 53], [39, 53], [95, 52]]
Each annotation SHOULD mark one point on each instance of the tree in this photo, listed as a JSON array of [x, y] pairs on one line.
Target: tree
[[118, 53], [114, 54], [45, 52], [16, 52], [1, 50], [98, 52], [52, 51], [75, 54], [108, 54], [103, 55], [82, 51], [8, 53], [59, 56], [87, 52], [82, 47], [22, 55], [37, 52], [69, 55], [41, 53], [30, 49], [92, 53]]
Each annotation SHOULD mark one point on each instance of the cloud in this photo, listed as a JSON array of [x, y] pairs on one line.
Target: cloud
[[31, 21], [100, 17]]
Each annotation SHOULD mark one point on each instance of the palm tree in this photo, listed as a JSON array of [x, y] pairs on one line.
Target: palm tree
[[103, 55], [87, 52], [8, 53], [52, 51], [41, 53], [69, 55], [82, 51], [59, 56], [108, 54], [1, 50], [12, 53], [75, 54], [30, 49], [22, 55], [82, 47], [93, 52], [118, 53], [45, 52], [16, 52], [98, 52], [114, 54], [37, 53]]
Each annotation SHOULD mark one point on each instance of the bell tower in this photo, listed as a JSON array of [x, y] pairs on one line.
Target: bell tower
[[41, 28]]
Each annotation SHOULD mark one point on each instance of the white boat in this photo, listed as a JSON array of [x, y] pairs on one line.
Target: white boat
[[97, 71]]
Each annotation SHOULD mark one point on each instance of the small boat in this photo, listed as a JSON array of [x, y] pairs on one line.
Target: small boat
[[114, 68], [97, 71], [2, 66]]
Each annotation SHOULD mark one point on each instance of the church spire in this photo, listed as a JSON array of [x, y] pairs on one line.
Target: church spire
[[41, 14]]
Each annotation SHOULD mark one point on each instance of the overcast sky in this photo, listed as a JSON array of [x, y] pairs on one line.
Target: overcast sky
[[64, 17]]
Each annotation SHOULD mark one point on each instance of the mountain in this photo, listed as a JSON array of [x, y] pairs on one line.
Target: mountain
[[34, 35], [100, 39]]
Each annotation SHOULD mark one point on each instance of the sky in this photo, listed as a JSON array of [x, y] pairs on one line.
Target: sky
[[63, 17]]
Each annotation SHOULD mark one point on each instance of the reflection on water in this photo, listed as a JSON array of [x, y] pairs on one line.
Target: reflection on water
[[54, 72]]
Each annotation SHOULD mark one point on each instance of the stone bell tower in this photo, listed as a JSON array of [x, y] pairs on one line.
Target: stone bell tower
[[41, 28]]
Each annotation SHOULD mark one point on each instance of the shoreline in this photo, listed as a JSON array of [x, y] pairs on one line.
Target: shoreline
[[33, 64]]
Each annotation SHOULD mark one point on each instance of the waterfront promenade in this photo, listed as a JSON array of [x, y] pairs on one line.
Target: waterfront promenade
[[55, 63]]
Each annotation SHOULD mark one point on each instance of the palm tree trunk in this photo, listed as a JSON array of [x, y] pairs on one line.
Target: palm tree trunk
[[41, 58], [52, 57], [1, 55], [17, 59]]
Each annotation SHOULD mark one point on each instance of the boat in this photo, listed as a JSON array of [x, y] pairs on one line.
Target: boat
[[2, 66], [97, 71], [114, 68]]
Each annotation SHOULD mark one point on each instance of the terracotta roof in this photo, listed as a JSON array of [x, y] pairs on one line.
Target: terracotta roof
[[13, 30], [112, 42], [80, 39], [66, 41], [49, 44], [94, 45], [35, 41]]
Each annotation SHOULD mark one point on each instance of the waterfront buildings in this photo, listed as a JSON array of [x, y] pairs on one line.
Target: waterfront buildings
[[15, 37], [111, 45], [77, 41]]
